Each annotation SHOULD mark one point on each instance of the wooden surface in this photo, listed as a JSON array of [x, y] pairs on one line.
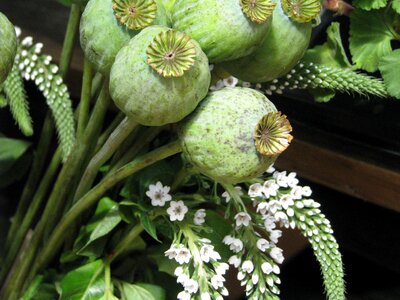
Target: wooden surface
[[343, 173]]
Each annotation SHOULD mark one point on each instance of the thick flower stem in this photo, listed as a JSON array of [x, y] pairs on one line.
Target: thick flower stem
[[13, 287], [34, 206], [141, 142], [33, 178], [57, 196], [85, 98], [53, 244], [110, 146]]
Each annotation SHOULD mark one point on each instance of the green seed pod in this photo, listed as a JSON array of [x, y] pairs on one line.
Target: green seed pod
[[234, 135], [225, 29], [159, 77], [282, 49], [8, 47], [108, 25]]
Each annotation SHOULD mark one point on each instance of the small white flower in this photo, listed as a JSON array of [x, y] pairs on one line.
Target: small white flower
[[183, 296], [271, 169], [255, 190], [217, 281], [182, 279], [292, 181], [228, 197], [242, 218], [270, 188], [172, 251], [240, 275], [274, 206], [274, 235], [262, 208], [255, 278], [228, 239], [178, 271], [205, 296], [276, 254], [221, 268], [191, 286], [269, 222], [286, 201], [177, 210], [183, 256], [276, 269], [267, 268], [262, 244], [297, 192], [224, 292], [199, 216], [235, 261], [207, 253], [17, 31], [231, 81], [217, 86], [281, 217], [158, 194], [281, 178], [306, 191], [211, 67], [236, 245], [247, 266]]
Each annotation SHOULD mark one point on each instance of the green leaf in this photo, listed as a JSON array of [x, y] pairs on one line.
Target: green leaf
[[17, 170], [220, 228], [10, 151], [157, 291], [370, 4], [108, 296], [322, 95], [396, 6], [390, 68], [370, 36], [105, 219], [149, 226], [84, 283], [330, 53], [140, 291], [33, 288]]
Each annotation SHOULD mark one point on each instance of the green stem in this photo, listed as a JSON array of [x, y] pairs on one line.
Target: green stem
[[69, 40], [57, 196], [74, 163], [33, 178], [31, 212], [87, 201], [104, 136], [85, 98], [142, 141], [181, 178], [240, 206], [110, 146], [126, 242]]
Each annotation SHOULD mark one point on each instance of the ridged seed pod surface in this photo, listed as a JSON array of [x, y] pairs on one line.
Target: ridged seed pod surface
[[141, 93], [102, 35], [220, 26], [282, 49], [218, 138], [8, 47]]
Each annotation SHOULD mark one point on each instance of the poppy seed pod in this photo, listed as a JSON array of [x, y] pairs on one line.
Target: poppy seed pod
[[8, 47], [234, 135], [108, 25], [159, 77], [281, 50], [225, 29]]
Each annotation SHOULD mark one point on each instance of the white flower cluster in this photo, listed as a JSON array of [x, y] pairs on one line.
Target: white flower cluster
[[226, 82], [207, 278], [159, 195]]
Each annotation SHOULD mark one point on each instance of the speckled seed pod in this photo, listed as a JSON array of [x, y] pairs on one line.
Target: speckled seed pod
[[104, 30], [159, 77], [234, 135], [8, 47], [225, 29], [284, 46]]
